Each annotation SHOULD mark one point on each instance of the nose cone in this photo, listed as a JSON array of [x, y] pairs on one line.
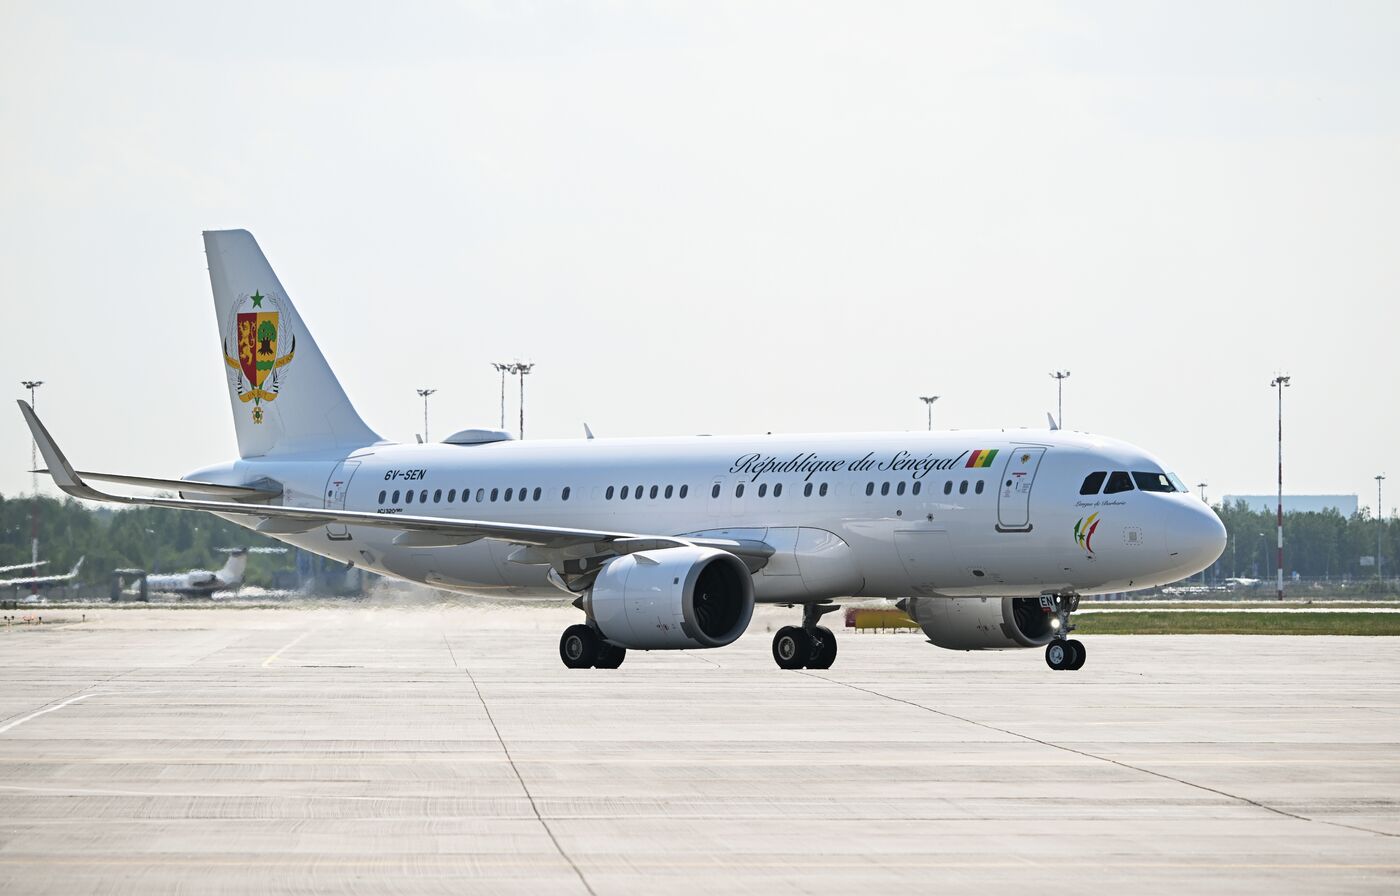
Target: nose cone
[[1197, 537]]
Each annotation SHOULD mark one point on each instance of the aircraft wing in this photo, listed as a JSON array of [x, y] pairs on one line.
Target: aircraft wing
[[543, 544], [44, 580], [23, 566]]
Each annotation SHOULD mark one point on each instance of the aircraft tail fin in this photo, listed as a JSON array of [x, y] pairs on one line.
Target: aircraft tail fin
[[73, 574], [285, 397], [232, 573]]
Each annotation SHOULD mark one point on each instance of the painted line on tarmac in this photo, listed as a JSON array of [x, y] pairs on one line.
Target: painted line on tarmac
[[55, 708], [285, 647]]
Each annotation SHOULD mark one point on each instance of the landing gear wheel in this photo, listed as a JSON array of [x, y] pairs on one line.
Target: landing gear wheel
[[609, 656], [823, 648], [578, 647], [1078, 655], [1059, 655], [792, 647]]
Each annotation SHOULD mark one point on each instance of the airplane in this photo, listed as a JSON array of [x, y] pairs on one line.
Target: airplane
[[38, 582], [202, 582], [987, 538]]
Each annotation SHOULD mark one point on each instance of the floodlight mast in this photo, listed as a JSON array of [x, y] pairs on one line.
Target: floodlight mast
[[1060, 377], [929, 400], [1380, 526], [503, 369], [424, 393], [1280, 382], [33, 387], [522, 368]]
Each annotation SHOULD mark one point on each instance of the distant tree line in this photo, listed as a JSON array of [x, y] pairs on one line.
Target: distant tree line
[[1322, 545], [155, 539]]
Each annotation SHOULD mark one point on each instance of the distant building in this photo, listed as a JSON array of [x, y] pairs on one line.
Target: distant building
[[1346, 505]]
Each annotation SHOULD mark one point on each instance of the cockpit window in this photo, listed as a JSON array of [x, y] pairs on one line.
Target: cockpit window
[[1153, 482], [1118, 481], [1092, 483], [1176, 481]]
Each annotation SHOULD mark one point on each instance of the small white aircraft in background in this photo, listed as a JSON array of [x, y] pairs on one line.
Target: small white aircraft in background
[[39, 582], [203, 582], [990, 537]]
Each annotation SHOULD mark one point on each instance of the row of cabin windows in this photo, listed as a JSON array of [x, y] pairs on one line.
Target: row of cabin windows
[[482, 495], [666, 492], [1121, 481], [670, 491]]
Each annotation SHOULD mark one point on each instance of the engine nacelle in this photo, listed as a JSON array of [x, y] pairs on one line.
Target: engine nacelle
[[981, 623], [671, 599]]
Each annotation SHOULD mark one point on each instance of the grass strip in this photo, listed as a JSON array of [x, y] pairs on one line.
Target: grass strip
[[1150, 623]]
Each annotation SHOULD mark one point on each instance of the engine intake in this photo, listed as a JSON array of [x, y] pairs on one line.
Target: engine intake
[[980, 623], [671, 599]]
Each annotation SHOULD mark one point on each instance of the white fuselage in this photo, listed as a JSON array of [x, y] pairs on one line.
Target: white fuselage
[[886, 514]]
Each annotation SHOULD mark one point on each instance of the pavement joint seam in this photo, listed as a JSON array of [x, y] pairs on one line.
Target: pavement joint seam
[[43, 706], [525, 787], [1119, 763]]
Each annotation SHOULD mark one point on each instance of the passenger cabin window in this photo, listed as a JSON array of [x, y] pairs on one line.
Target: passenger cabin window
[[739, 490], [1093, 482], [437, 496], [1118, 481], [609, 493], [653, 493], [777, 490], [396, 497], [668, 492], [948, 487], [495, 492], [509, 492], [822, 490], [408, 497], [869, 489], [480, 495], [381, 497], [714, 490], [980, 484], [806, 491], [1153, 482], [685, 490], [884, 488], [564, 496], [451, 495], [536, 495], [899, 489], [918, 486], [763, 490], [962, 487], [638, 493]]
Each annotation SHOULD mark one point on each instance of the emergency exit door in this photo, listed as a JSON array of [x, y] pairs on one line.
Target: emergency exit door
[[337, 488], [1014, 496]]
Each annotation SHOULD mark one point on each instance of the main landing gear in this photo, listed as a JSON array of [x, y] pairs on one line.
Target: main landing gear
[[1063, 652], [809, 646], [581, 648]]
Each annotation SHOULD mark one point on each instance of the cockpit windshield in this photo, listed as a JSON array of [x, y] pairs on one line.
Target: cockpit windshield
[[1153, 482]]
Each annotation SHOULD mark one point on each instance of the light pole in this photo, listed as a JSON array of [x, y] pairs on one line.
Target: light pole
[[1380, 526], [504, 369], [1202, 487], [1060, 377], [1280, 382], [423, 394], [33, 387], [522, 368], [929, 400]]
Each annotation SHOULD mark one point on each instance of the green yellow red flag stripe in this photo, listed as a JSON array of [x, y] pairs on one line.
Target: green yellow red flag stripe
[[981, 458]]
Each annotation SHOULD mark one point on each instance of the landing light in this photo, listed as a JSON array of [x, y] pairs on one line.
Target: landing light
[[1055, 623]]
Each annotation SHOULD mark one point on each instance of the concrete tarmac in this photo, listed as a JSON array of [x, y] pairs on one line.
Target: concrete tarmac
[[444, 749]]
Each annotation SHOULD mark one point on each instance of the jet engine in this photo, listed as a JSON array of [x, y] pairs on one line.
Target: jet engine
[[671, 599], [981, 623]]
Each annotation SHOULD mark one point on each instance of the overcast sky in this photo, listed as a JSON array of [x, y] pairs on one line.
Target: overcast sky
[[720, 217]]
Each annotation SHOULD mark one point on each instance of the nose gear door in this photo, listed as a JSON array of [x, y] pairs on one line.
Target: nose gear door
[[1014, 496], [337, 487]]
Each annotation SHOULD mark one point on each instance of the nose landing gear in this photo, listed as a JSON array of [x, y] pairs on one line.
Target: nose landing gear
[[1063, 652], [809, 646]]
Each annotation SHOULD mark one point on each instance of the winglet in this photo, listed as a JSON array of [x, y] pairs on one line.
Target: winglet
[[64, 476], [77, 566], [587, 432], [1053, 424]]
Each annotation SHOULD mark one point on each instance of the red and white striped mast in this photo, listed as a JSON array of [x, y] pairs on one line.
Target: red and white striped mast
[[1280, 382]]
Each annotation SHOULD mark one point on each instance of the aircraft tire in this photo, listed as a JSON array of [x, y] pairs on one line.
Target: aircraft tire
[[1059, 655], [823, 649], [609, 656], [1079, 655], [792, 647], [578, 647]]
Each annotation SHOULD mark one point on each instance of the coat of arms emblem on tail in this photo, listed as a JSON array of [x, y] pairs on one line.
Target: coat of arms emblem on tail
[[257, 329]]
